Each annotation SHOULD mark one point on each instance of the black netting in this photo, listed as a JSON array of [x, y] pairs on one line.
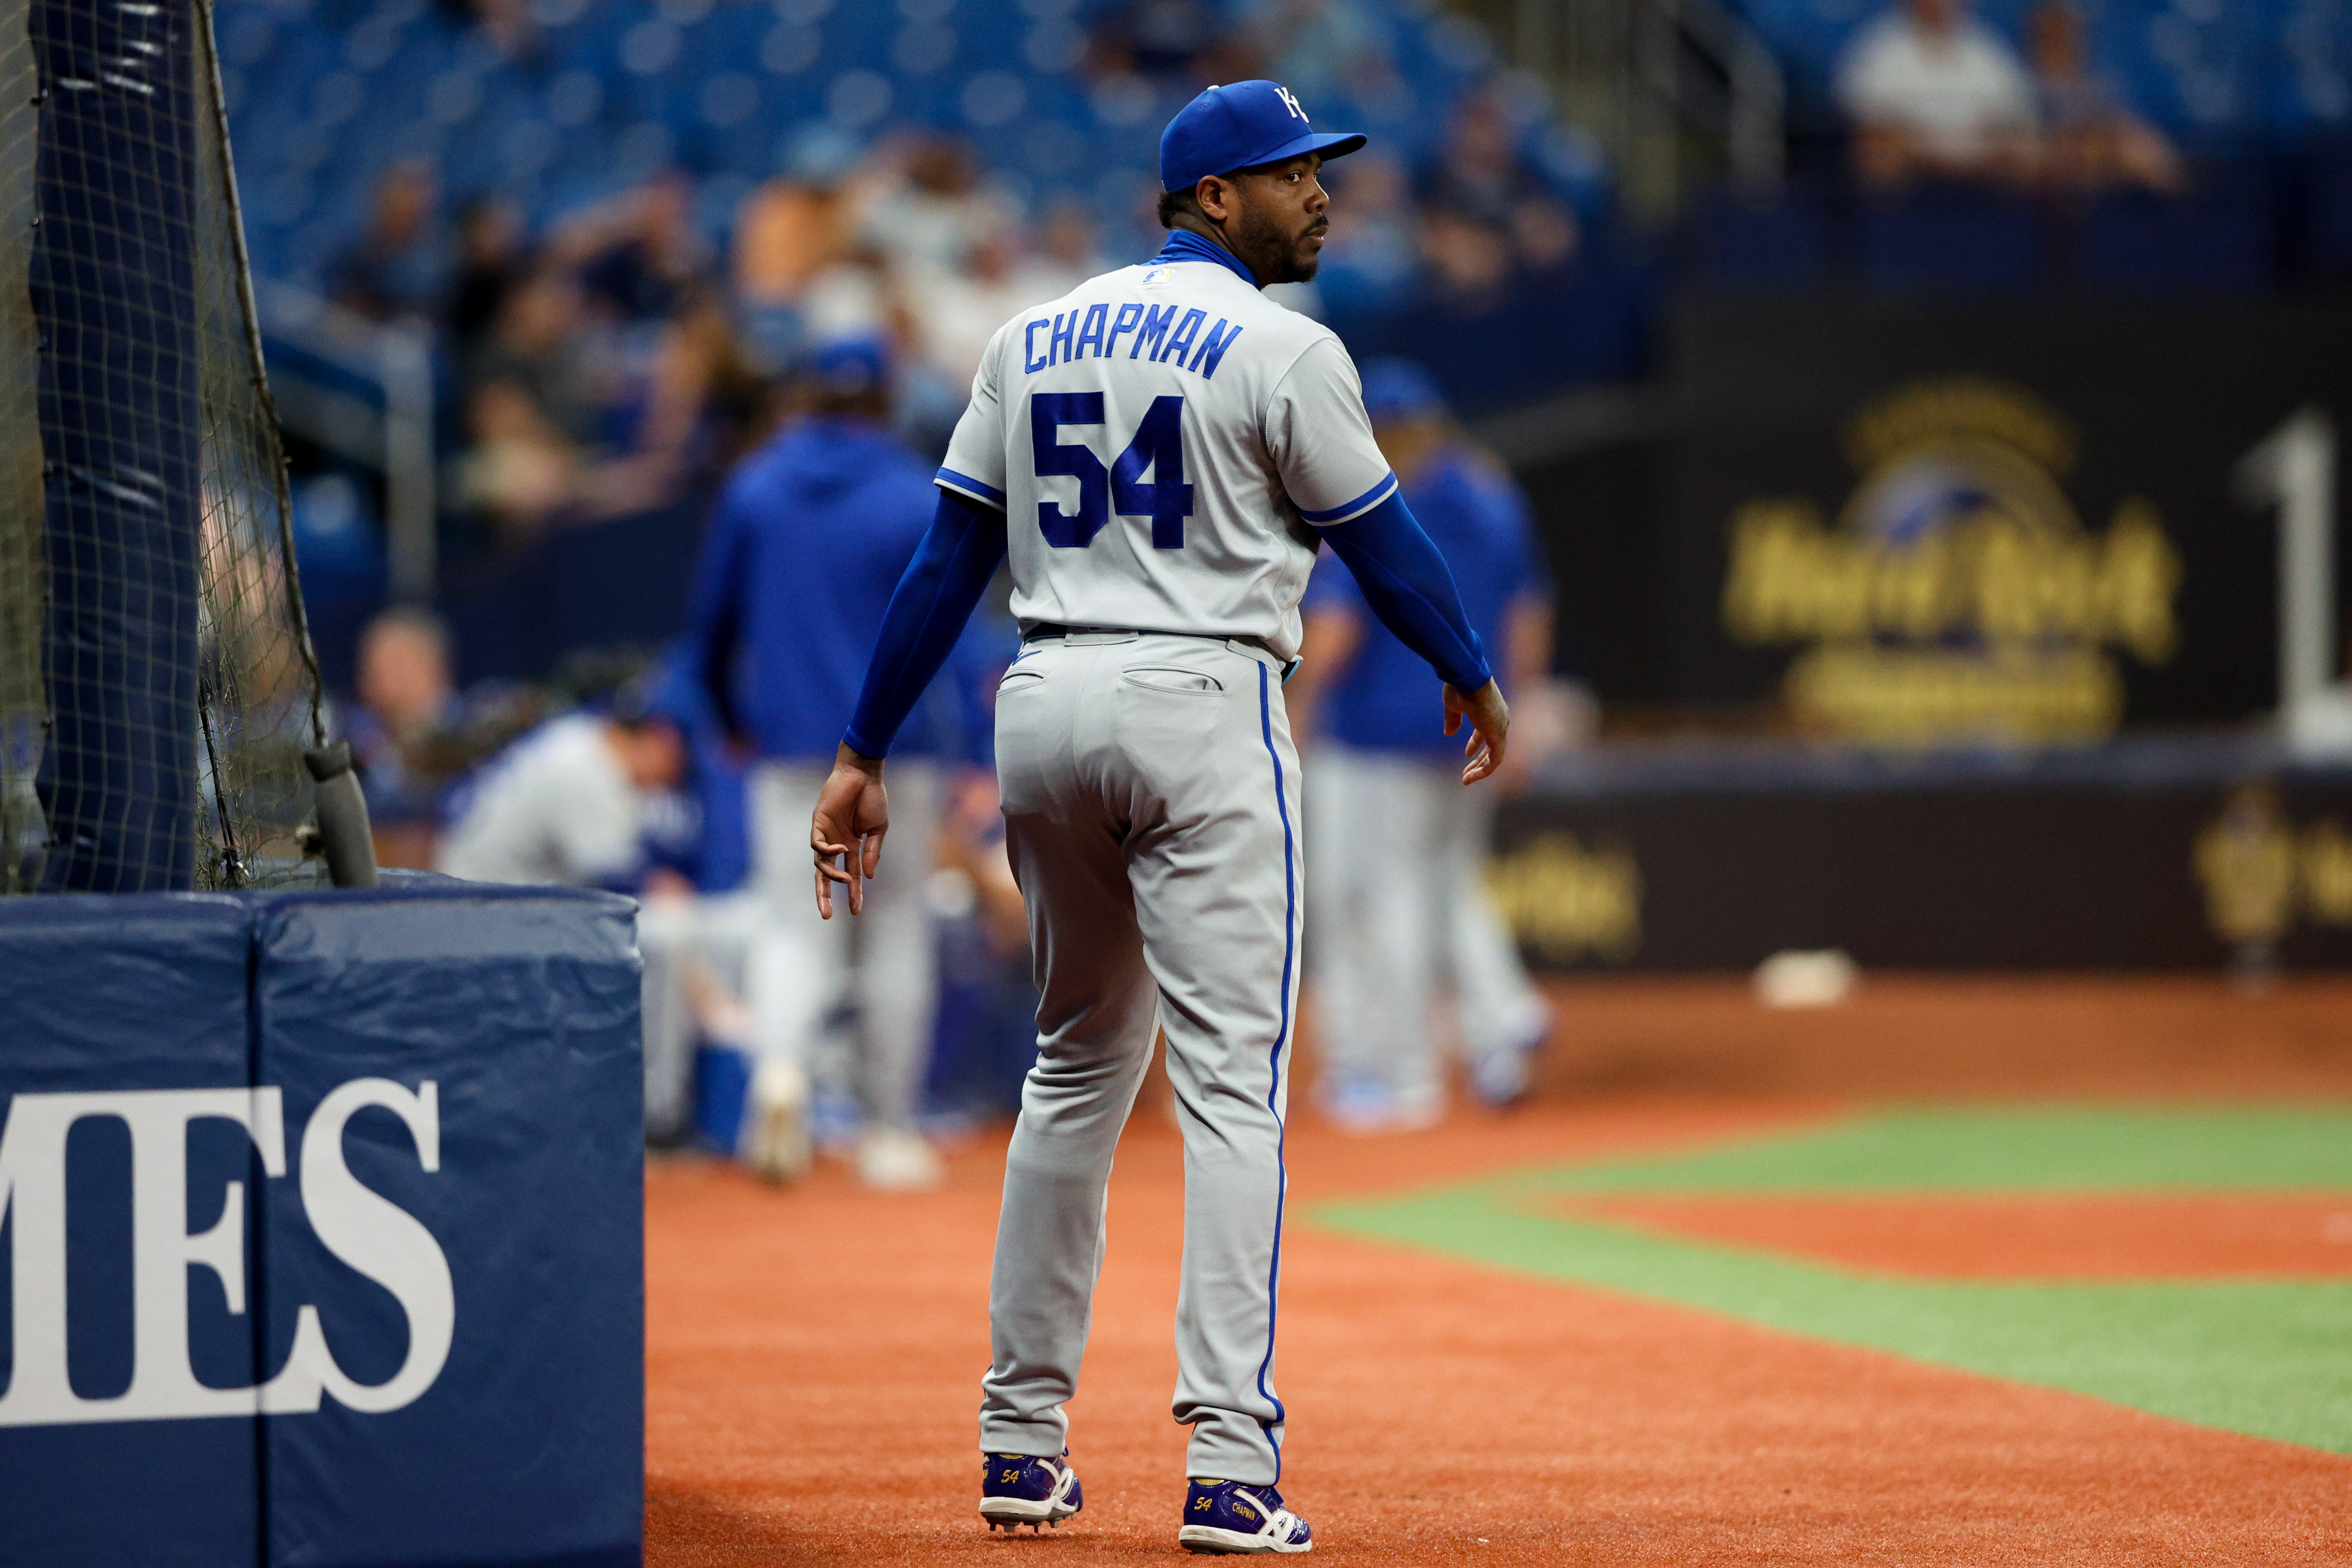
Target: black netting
[[156, 684]]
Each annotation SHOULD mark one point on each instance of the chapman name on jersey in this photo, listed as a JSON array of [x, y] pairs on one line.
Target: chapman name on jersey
[[1159, 439]]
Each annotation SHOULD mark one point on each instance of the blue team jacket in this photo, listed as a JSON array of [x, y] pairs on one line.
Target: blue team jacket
[[1387, 698], [809, 537]]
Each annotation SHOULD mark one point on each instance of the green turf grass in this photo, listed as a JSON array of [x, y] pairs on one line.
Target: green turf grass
[[2270, 1358], [2055, 1149]]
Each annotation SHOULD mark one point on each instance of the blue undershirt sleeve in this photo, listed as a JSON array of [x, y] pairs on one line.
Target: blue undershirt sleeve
[[1408, 585], [935, 597]]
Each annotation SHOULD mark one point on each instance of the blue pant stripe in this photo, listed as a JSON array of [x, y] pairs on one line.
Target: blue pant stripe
[[1281, 1039]]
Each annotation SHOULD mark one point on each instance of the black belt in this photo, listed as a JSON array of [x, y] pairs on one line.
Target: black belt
[[1041, 629], [1057, 629]]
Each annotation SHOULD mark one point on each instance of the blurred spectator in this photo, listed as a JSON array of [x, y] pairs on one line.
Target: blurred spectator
[[610, 380], [638, 254], [506, 24], [809, 540], [1396, 849], [951, 316], [566, 803], [923, 223], [2091, 140], [492, 257], [792, 263], [676, 417], [394, 268], [951, 321], [1933, 93], [1486, 209], [533, 408], [955, 315]]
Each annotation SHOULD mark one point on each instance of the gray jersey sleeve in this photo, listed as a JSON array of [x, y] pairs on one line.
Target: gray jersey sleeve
[[1321, 440], [975, 460]]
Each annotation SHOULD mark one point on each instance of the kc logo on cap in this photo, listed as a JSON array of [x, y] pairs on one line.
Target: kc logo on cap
[[1240, 125]]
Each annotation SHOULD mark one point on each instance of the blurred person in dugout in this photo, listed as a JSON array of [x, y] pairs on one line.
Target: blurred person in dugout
[[407, 699], [568, 803], [592, 799], [809, 537], [1396, 848]]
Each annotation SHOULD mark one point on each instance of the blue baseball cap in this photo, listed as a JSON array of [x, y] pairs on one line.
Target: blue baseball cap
[[1398, 389], [1240, 126], [850, 366]]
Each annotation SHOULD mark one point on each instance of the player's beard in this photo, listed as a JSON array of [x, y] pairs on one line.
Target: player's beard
[[1276, 253]]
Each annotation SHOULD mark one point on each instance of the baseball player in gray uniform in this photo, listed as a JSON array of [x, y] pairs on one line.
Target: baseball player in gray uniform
[[1160, 452]]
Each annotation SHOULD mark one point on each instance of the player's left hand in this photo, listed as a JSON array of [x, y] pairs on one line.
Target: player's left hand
[[853, 813], [1490, 725]]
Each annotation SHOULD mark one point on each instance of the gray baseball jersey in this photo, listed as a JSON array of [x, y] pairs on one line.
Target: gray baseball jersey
[[1246, 417], [1161, 439]]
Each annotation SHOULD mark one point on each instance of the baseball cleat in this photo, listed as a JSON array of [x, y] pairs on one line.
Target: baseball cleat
[[1017, 1489], [1228, 1517], [893, 1160], [1501, 1078], [777, 1146]]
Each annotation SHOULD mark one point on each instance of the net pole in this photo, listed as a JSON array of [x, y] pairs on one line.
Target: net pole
[[256, 363], [113, 292]]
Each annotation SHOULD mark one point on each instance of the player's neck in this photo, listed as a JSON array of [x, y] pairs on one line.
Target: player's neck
[[1199, 228]]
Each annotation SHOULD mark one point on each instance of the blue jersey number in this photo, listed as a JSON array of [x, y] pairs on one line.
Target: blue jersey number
[[1158, 446]]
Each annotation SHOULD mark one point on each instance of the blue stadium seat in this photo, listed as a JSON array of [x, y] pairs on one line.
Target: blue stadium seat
[[2193, 65], [2309, 45], [1951, 240]]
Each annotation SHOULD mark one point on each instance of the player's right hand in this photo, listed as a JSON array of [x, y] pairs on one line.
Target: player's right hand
[[1490, 724], [853, 813]]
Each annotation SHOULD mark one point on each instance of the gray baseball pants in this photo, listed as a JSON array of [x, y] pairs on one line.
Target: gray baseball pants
[[1152, 812], [885, 963], [1399, 899]]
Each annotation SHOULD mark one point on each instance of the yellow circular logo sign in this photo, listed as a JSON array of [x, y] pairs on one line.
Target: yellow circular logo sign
[[1959, 595]]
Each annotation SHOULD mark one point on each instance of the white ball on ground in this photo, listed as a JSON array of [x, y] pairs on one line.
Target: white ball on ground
[[1795, 978]]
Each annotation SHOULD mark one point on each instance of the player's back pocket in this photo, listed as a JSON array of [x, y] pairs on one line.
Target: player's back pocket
[[1172, 679]]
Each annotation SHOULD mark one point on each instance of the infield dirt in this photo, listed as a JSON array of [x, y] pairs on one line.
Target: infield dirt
[[814, 1357]]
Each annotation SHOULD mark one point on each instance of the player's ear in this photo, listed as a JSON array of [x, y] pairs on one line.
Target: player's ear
[[1214, 196]]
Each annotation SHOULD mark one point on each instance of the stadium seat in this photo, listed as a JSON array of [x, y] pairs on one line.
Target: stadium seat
[[2307, 47], [2193, 67]]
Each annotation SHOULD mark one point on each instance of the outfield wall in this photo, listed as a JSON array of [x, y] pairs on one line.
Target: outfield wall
[[2196, 854]]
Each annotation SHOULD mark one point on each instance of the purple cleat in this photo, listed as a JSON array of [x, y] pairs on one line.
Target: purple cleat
[[1017, 1489], [1229, 1517]]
